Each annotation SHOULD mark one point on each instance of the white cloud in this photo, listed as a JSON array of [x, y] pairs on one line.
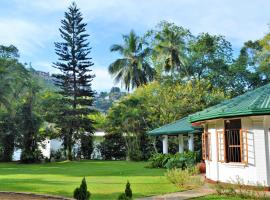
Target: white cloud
[[26, 35], [239, 20], [34, 24], [103, 80]]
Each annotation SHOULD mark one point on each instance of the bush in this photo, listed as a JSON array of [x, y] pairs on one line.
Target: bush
[[57, 155], [180, 160], [128, 191], [81, 193], [159, 160], [113, 147], [31, 157], [178, 177], [183, 178]]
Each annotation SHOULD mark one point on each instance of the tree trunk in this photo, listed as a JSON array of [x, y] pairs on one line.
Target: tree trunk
[[69, 152]]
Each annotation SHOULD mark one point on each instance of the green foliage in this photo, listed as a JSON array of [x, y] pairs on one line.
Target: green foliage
[[86, 146], [21, 116], [169, 43], [132, 69], [81, 193], [74, 79], [31, 156], [180, 160], [113, 147], [128, 190], [159, 160], [150, 106], [8, 134], [28, 122], [128, 117], [57, 155]]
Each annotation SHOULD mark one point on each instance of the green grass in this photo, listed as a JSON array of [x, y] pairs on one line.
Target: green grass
[[105, 179]]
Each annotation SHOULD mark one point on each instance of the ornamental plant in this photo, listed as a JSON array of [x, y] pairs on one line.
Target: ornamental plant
[[81, 193]]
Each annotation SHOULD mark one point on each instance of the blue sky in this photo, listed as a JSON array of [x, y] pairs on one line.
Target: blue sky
[[32, 25]]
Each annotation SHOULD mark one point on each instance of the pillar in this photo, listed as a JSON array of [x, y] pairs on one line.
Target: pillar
[[181, 143], [191, 142], [165, 144]]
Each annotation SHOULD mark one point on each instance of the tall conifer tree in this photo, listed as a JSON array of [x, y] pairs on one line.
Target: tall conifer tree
[[75, 78]]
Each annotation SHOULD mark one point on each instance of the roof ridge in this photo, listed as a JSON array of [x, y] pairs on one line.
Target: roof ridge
[[255, 102]]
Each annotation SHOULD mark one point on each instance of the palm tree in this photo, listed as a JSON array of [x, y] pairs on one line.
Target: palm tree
[[133, 69], [169, 43]]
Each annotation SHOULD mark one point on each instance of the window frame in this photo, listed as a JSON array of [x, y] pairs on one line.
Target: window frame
[[222, 145]]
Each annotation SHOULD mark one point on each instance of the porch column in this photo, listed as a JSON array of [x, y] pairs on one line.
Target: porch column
[[191, 142], [181, 143], [165, 144]]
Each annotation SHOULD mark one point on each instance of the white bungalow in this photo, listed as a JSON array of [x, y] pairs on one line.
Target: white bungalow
[[236, 139]]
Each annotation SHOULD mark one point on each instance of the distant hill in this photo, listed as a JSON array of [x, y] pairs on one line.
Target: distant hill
[[44, 78], [103, 100]]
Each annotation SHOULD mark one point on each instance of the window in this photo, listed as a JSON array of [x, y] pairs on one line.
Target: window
[[232, 142], [206, 149]]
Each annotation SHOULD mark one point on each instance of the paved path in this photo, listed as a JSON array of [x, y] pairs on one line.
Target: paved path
[[202, 191]]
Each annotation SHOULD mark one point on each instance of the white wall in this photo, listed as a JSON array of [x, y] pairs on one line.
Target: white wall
[[257, 169], [45, 148]]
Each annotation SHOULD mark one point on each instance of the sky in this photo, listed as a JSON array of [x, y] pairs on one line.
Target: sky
[[32, 25]]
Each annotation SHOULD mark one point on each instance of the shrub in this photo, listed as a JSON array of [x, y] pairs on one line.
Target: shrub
[[81, 193], [183, 178], [31, 157], [193, 170], [159, 160], [180, 160], [176, 162], [113, 147], [178, 177], [57, 155], [128, 190], [128, 193]]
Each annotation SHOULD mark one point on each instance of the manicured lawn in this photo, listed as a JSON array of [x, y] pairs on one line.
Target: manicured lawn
[[106, 179]]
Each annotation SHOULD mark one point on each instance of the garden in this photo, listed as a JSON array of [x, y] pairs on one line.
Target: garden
[[105, 179], [167, 72]]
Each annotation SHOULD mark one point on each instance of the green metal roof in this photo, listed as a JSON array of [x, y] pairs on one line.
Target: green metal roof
[[178, 127], [256, 102]]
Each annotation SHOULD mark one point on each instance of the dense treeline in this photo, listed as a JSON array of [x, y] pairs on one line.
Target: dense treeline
[[183, 73], [21, 117]]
